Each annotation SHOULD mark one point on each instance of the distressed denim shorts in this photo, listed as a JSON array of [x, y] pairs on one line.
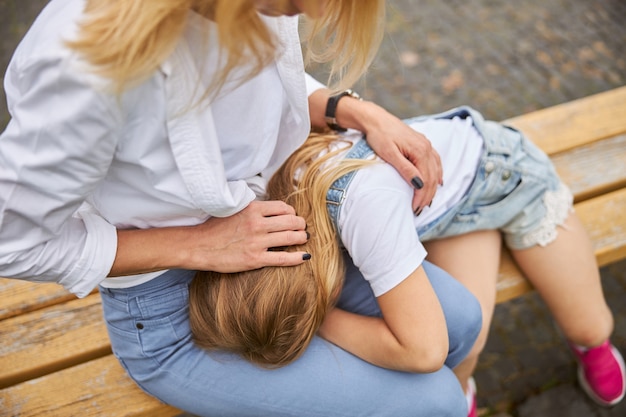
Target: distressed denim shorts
[[516, 190]]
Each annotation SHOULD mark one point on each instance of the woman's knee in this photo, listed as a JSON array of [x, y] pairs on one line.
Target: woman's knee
[[462, 310], [446, 397], [466, 332], [420, 395]]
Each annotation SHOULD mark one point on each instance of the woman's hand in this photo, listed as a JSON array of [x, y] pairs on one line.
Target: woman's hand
[[231, 244], [242, 242], [408, 151]]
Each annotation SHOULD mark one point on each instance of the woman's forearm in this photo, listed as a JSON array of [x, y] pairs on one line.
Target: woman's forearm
[[230, 244], [408, 151], [148, 250], [350, 113]]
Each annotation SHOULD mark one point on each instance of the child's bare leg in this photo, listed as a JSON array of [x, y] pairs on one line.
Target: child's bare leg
[[566, 276], [474, 260]]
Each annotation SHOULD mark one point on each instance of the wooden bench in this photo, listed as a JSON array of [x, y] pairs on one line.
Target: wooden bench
[[586, 140], [55, 357]]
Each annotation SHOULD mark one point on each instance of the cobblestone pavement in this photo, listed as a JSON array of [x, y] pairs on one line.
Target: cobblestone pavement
[[503, 58]]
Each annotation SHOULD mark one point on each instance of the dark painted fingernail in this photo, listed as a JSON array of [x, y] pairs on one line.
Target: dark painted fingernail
[[306, 256], [308, 235], [417, 183], [417, 211]]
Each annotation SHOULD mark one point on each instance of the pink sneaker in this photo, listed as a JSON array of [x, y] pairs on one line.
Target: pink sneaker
[[601, 373], [471, 398]]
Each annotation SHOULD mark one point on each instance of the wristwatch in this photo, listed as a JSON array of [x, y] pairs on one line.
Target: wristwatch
[[331, 108]]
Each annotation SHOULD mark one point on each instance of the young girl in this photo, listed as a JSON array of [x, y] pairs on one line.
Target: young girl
[[270, 315], [497, 185]]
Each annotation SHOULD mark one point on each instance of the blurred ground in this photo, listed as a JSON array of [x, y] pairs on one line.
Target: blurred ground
[[503, 58]]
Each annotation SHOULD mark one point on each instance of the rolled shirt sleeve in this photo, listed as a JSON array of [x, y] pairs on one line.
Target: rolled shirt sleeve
[[57, 146]]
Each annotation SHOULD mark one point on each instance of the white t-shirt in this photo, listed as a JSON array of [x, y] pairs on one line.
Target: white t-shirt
[[376, 222]]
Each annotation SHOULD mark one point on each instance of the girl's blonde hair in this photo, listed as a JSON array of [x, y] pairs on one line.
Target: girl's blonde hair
[[270, 315], [126, 40]]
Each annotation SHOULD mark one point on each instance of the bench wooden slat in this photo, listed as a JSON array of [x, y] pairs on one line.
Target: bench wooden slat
[[594, 169], [511, 283], [605, 220], [18, 297], [608, 238], [51, 339], [99, 388], [568, 125]]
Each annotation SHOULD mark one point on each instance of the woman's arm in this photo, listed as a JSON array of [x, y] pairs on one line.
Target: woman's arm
[[230, 244], [412, 336], [410, 152], [57, 147]]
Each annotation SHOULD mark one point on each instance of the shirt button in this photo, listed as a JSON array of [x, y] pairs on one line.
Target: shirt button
[[506, 175], [489, 166]]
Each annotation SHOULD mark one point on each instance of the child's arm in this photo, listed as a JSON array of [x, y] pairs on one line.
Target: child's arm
[[412, 336]]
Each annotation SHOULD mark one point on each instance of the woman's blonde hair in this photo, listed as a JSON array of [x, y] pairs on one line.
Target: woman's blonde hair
[[126, 40], [270, 315]]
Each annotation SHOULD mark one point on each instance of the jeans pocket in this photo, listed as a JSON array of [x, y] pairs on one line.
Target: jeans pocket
[[164, 321]]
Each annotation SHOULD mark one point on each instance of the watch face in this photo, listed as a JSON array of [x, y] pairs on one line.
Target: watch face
[[353, 94]]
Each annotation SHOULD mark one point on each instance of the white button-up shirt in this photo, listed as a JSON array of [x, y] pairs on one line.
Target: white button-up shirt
[[77, 162]]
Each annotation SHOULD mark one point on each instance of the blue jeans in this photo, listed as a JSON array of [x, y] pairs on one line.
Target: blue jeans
[[149, 330]]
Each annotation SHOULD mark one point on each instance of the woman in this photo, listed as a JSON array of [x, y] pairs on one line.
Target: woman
[[497, 185], [141, 132]]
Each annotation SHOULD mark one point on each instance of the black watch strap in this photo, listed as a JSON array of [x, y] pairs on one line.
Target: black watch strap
[[331, 109]]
